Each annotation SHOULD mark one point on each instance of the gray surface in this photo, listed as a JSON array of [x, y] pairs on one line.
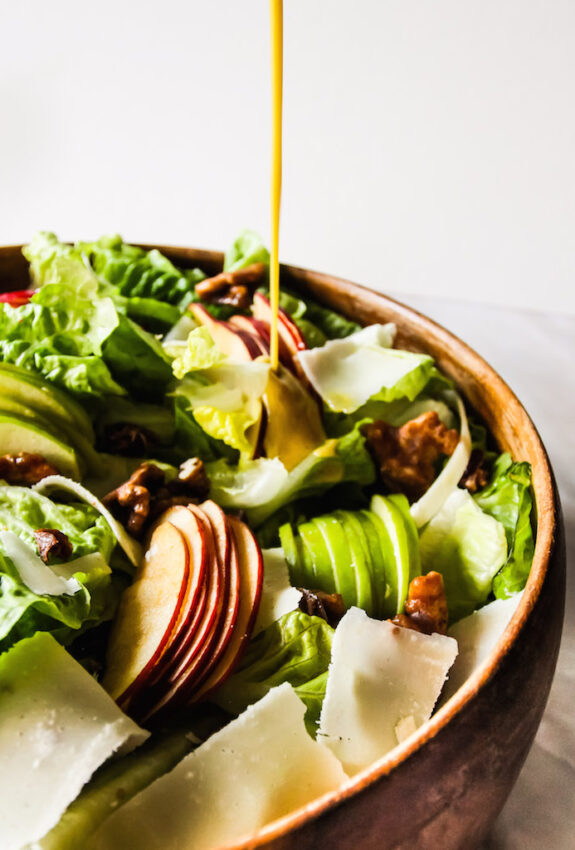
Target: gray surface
[[535, 354]]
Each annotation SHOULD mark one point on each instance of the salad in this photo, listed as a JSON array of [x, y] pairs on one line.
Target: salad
[[225, 589]]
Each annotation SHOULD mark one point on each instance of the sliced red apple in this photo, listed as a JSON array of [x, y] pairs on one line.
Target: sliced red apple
[[193, 655], [234, 342], [227, 554], [246, 324], [287, 328], [200, 549], [148, 611], [251, 579]]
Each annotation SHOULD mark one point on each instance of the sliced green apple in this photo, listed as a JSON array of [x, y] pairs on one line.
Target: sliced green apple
[[398, 566], [18, 434], [57, 406], [360, 559], [340, 558]]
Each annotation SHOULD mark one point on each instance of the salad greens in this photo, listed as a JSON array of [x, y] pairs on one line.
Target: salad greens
[[109, 377]]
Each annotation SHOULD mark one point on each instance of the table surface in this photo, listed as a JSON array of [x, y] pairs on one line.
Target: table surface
[[534, 353]]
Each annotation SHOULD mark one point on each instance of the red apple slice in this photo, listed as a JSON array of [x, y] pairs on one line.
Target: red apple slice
[[247, 325], [192, 656], [226, 548], [287, 328], [232, 341], [147, 613], [194, 602], [251, 580]]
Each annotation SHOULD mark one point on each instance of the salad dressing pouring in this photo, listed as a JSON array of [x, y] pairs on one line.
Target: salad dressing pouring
[[276, 19]]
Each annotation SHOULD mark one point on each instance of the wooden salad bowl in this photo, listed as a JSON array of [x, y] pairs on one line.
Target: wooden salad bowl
[[444, 786]]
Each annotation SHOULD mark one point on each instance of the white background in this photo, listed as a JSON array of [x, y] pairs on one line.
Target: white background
[[429, 144]]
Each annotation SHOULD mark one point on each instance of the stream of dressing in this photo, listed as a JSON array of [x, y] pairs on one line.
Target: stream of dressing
[[276, 20]]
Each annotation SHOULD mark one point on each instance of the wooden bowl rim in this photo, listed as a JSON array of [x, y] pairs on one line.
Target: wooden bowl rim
[[547, 511]]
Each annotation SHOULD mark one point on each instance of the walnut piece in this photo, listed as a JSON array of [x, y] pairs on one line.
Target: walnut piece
[[146, 494], [233, 288], [475, 476], [316, 603], [52, 544], [406, 456], [25, 469], [425, 609], [127, 439]]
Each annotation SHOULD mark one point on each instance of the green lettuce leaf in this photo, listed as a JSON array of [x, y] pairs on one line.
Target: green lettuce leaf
[[317, 323], [137, 273], [468, 548], [263, 486], [508, 499], [245, 250], [295, 649], [22, 611]]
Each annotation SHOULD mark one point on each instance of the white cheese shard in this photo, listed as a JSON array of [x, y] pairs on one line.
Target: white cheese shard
[[379, 675], [476, 637], [57, 726], [36, 575], [347, 372], [278, 596], [259, 767]]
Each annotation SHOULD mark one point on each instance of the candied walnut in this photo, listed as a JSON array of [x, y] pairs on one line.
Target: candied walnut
[[146, 494], [475, 476], [25, 469], [233, 288], [425, 609], [406, 456], [125, 438], [316, 603], [52, 544]]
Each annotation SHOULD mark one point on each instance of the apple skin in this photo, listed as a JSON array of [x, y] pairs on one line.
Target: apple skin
[[200, 549], [251, 568], [236, 343], [16, 298], [137, 640]]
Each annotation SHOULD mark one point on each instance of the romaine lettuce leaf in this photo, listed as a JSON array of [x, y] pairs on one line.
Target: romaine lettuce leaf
[[316, 323], [263, 486], [81, 341], [226, 401], [467, 547], [135, 272], [245, 250], [24, 611], [295, 649], [508, 499]]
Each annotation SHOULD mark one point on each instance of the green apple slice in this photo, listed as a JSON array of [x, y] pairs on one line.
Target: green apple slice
[[376, 536], [31, 390], [360, 559], [397, 571], [322, 577], [340, 558], [291, 554], [401, 502], [23, 435]]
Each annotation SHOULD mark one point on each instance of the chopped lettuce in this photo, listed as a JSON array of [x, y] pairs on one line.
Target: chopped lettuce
[[28, 605], [81, 341], [200, 352], [137, 273], [508, 499], [226, 401], [467, 547], [263, 486], [245, 250], [316, 323], [295, 649]]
